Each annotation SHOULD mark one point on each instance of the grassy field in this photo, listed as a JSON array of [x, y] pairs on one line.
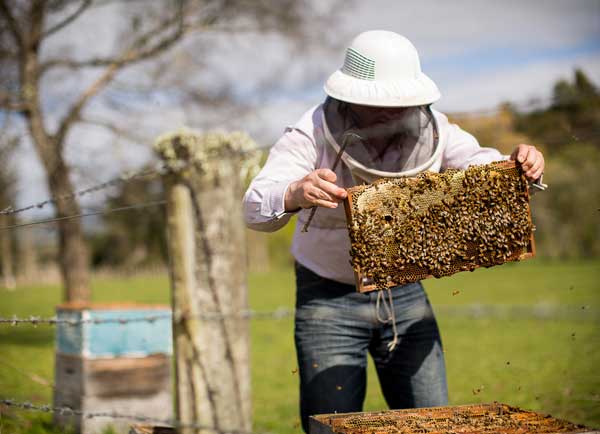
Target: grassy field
[[526, 334]]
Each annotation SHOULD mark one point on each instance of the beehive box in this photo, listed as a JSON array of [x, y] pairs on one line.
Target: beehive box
[[113, 329], [112, 358], [480, 418], [436, 224]]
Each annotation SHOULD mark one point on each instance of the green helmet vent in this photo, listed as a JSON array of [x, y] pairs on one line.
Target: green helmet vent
[[358, 66]]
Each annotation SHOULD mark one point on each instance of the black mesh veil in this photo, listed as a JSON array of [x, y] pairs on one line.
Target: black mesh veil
[[381, 142]]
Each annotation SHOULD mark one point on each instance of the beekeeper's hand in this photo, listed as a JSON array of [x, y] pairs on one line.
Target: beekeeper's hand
[[315, 189], [531, 160]]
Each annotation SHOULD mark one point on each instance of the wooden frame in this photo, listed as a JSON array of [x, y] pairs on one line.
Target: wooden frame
[[365, 284], [333, 423]]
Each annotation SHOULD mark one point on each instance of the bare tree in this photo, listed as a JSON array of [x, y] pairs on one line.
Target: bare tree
[[156, 28], [8, 144]]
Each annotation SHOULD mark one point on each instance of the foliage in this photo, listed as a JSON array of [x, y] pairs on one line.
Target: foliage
[[279, 244], [495, 130], [569, 131], [136, 237], [574, 115], [566, 215]]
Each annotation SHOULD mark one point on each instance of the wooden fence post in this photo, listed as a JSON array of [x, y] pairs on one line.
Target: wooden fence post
[[206, 241]]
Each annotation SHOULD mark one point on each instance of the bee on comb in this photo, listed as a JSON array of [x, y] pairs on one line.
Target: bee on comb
[[437, 224]]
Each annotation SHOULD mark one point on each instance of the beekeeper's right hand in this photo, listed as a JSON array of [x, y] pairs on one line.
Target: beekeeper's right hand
[[315, 189]]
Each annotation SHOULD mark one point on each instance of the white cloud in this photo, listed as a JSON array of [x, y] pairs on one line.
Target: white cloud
[[441, 28], [535, 80]]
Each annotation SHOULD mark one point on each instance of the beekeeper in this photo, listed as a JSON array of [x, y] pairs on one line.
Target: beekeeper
[[377, 118]]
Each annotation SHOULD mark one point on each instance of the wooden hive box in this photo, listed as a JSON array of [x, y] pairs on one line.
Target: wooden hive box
[[110, 359], [492, 418]]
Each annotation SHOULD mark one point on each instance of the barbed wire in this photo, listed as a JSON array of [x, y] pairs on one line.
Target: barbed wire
[[583, 312], [106, 211], [35, 320], [159, 169], [279, 313], [68, 411]]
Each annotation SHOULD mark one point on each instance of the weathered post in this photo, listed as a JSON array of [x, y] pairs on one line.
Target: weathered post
[[206, 241]]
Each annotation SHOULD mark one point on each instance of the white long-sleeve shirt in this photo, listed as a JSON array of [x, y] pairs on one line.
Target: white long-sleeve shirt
[[325, 248]]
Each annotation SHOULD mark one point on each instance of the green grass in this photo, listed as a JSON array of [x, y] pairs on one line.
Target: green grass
[[544, 364]]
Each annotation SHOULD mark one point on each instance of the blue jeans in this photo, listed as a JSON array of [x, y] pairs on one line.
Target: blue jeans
[[336, 326]]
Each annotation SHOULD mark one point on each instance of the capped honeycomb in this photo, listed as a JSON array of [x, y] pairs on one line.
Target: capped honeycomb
[[436, 224], [494, 418]]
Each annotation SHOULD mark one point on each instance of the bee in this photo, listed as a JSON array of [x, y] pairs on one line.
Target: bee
[[480, 219]]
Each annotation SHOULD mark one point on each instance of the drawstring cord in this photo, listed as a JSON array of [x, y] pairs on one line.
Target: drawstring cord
[[388, 306]]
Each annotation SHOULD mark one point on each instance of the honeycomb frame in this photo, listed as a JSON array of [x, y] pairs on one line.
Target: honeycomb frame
[[486, 418], [370, 198]]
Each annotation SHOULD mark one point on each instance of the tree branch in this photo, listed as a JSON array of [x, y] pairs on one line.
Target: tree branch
[[82, 7], [134, 54], [118, 131], [76, 64], [75, 111], [12, 24], [37, 14], [142, 55], [5, 53], [7, 103]]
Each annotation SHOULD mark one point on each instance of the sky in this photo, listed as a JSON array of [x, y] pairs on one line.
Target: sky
[[479, 53]]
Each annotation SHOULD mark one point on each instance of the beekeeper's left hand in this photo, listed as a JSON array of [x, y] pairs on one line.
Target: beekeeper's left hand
[[531, 160]]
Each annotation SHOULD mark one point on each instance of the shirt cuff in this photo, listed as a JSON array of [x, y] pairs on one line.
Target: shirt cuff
[[273, 205]]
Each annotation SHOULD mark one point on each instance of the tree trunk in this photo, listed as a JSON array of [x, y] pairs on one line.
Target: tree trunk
[[73, 255], [28, 269], [6, 252], [72, 251], [208, 273]]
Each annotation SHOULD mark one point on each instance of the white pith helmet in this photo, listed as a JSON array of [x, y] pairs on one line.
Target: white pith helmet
[[382, 69]]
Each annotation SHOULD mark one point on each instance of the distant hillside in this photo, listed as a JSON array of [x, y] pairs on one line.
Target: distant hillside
[[494, 130]]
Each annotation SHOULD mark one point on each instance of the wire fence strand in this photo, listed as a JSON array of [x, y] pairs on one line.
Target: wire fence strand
[[69, 217], [279, 313], [160, 169], [576, 312]]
